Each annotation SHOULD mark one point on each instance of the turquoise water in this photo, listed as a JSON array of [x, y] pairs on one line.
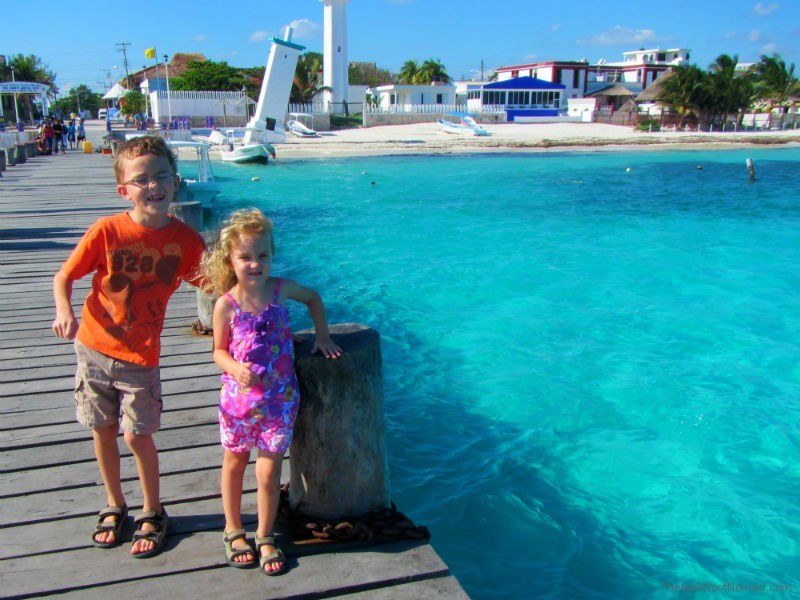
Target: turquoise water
[[592, 375]]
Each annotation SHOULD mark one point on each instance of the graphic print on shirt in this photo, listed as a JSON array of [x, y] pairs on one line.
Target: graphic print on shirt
[[138, 280]]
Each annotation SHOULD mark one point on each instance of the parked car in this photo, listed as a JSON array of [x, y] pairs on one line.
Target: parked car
[[102, 113]]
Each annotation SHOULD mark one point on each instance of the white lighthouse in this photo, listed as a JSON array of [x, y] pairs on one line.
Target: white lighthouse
[[335, 54]]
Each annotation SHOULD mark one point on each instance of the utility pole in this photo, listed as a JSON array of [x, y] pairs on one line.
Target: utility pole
[[122, 47]]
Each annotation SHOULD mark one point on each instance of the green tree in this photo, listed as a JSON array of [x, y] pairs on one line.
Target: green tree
[[307, 78], [363, 73], [431, 71], [27, 68], [775, 82], [687, 91], [408, 72], [210, 76], [732, 91], [75, 100], [133, 103]]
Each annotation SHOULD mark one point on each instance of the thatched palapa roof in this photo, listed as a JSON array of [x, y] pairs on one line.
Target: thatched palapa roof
[[652, 93]]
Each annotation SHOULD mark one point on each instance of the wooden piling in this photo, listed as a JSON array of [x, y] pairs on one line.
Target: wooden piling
[[338, 455]]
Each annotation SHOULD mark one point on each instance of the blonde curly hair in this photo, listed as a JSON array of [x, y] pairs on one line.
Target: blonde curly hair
[[216, 263]]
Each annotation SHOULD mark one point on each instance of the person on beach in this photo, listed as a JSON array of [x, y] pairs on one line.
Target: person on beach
[[71, 134], [47, 135], [58, 136], [253, 345], [139, 258], [80, 133]]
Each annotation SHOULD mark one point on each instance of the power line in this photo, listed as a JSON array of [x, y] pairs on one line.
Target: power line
[[124, 46]]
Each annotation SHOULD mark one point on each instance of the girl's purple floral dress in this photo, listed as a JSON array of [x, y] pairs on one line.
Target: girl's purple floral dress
[[266, 341]]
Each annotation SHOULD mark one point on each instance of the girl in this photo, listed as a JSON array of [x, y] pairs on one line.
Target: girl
[[253, 345]]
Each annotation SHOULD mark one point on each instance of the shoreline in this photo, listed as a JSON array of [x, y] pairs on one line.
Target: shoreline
[[428, 139], [422, 139]]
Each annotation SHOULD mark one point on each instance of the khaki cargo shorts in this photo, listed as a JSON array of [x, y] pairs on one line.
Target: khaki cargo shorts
[[106, 388]]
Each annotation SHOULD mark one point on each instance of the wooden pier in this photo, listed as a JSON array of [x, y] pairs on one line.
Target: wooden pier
[[50, 489]]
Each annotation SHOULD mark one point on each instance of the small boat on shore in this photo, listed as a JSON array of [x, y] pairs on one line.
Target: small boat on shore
[[253, 152], [461, 124], [298, 127], [249, 153]]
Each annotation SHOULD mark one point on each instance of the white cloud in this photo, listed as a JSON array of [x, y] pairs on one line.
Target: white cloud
[[771, 48], [620, 36], [200, 37], [764, 10], [555, 27], [259, 36], [754, 36], [304, 29]]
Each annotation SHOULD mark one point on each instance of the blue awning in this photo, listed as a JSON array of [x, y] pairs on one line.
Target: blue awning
[[524, 83]]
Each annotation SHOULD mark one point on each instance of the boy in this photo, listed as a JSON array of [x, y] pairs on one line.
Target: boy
[[139, 258]]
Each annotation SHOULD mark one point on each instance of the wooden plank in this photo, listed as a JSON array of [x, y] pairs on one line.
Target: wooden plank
[[196, 562], [50, 489]]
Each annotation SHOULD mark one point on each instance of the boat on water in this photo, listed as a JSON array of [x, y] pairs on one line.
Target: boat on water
[[249, 153], [461, 124], [301, 125]]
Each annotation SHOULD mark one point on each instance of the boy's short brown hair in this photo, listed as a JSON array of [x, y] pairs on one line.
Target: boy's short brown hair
[[139, 146]]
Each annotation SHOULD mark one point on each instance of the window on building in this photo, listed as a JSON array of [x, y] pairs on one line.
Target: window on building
[[439, 98], [392, 99], [576, 78]]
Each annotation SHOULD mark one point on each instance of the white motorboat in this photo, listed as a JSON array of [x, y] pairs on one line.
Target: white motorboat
[[298, 127], [197, 178], [461, 124], [249, 153]]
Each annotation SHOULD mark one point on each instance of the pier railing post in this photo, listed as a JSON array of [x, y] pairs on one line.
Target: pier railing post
[[338, 456]]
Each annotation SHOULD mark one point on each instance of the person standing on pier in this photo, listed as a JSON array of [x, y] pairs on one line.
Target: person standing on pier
[[253, 345], [139, 258]]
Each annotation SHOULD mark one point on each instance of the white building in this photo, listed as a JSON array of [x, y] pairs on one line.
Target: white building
[[637, 70], [400, 97]]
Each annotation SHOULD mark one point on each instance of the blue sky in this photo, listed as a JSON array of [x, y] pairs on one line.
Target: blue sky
[[81, 45]]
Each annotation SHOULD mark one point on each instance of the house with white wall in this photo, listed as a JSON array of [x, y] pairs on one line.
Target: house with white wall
[[637, 70], [571, 74], [396, 96]]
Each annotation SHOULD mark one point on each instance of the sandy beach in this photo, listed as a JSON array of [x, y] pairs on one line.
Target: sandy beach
[[426, 138]]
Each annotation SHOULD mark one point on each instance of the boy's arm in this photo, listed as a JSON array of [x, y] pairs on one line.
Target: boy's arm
[[316, 309], [64, 326], [221, 323]]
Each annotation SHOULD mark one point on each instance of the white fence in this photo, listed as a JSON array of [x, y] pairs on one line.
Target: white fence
[[219, 105]]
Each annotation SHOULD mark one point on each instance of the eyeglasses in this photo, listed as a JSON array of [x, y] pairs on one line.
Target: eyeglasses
[[144, 181]]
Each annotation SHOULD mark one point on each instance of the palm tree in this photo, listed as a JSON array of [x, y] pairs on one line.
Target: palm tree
[[307, 81], [732, 91], [687, 91], [775, 82], [29, 68], [431, 71], [408, 72]]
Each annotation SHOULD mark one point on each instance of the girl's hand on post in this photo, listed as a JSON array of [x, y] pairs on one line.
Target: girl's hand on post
[[327, 346]]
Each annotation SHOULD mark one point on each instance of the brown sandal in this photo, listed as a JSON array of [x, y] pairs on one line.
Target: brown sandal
[[275, 557]]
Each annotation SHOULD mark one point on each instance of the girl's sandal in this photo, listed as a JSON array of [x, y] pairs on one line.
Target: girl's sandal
[[275, 557], [119, 513], [231, 553]]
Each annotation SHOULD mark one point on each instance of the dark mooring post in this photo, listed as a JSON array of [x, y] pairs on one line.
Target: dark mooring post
[[338, 455]]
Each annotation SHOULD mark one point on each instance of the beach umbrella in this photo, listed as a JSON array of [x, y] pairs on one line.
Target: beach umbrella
[[115, 93]]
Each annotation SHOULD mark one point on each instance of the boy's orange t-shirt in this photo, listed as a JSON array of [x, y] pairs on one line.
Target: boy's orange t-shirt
[[136, 270]]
